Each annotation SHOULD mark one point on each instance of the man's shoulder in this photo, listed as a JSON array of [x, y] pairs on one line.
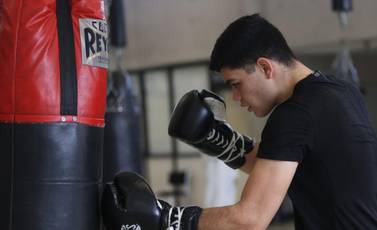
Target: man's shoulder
[[321, 84], [317, 90]]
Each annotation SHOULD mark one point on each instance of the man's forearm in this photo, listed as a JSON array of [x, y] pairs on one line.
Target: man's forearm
[[225, 218], [218, 219]]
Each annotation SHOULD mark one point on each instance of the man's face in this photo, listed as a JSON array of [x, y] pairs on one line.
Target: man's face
[[254, 89]]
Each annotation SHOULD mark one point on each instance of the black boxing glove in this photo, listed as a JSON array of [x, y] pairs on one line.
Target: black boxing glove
[[199, 120], [130, 204]]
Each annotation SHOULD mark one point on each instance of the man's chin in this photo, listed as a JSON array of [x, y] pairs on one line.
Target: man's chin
[[261, 114]]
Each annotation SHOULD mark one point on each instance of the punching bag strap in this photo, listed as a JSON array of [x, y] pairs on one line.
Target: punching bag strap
[[68, 74]]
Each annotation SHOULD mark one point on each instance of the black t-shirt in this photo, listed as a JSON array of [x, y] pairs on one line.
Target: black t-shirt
[[325, 127]]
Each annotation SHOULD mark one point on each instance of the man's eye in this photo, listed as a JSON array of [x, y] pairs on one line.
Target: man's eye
[[235, 85]]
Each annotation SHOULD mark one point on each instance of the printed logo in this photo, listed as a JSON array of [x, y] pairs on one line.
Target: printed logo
[[94, 42], [131, 227]]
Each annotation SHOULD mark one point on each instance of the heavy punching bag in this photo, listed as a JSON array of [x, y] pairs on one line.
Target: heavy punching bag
[[122, 131], [53, 75]]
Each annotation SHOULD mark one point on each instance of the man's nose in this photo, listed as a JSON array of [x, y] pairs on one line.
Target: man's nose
[[236, 95]]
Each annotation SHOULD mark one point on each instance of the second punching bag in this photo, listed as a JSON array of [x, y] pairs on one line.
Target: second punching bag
[[122, 146], [53, 75], [122, 132]]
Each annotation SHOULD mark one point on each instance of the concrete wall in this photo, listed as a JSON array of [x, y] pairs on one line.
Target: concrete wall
[[307, 23], [170, 31]]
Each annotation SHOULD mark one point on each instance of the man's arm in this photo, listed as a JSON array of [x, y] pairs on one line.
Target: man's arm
[[129, 202], [262, 195]]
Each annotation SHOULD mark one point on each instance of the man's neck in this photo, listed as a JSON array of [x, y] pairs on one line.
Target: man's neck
[[294, 74], [298, 72]]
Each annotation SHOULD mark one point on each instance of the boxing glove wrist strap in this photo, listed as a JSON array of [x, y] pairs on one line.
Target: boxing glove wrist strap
[[180, 218]]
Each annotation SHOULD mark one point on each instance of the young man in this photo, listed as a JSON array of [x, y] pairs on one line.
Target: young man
[[318, 144]]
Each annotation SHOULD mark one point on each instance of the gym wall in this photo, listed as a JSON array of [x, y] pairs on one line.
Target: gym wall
[[166, 31]]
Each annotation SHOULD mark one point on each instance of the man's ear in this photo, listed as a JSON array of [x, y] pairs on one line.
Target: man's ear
[[265, 66]]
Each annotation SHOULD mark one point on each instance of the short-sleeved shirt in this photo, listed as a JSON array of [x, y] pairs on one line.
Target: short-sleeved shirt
[[324, 126]]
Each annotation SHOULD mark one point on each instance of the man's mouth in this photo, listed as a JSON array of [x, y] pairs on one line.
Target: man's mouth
[[249, 108]]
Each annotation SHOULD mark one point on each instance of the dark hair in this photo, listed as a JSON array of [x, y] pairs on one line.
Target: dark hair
[[247, 39]]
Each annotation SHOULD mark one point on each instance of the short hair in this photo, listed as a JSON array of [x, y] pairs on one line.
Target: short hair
[[247, 39]]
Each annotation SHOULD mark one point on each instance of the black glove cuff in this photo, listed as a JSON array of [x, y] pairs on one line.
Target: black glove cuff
[[184, 218], [180, 218], [190, 218]]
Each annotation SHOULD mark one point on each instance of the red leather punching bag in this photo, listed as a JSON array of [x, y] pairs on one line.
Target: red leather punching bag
[[53, 74]]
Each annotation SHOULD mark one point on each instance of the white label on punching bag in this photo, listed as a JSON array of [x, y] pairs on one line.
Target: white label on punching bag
[[94, 42]]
